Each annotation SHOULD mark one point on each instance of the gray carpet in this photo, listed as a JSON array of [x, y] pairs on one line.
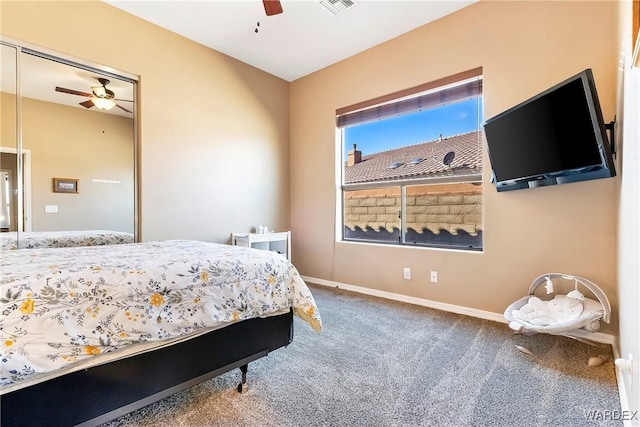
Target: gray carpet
[[383, 363]]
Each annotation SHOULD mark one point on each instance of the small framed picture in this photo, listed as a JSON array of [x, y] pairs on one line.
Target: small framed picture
[[65, 185]]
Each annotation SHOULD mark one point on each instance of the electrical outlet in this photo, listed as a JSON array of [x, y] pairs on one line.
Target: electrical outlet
[[434, 277], [407, 273], [51, 208]]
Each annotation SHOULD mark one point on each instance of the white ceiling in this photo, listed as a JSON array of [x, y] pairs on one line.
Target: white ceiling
[[305, 38]]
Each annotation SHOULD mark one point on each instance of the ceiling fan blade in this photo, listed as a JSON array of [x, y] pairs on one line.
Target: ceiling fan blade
[[88, 103], [272, 7], [71, 91], [125, 100], [122, 108]]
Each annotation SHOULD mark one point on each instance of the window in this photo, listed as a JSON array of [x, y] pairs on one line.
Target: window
[[412, 166]]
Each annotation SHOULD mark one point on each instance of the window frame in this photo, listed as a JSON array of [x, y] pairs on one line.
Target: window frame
[[473, 178], [403, 184]]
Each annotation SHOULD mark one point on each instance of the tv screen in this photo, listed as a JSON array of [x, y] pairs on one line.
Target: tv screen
[[555, 137]]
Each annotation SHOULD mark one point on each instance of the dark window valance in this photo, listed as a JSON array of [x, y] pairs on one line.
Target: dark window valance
[[466, 85]]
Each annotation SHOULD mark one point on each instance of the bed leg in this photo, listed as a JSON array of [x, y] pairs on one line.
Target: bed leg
[[243, 384]]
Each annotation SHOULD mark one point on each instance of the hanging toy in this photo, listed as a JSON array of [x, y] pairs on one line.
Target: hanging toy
[[575, 293], [549, 285]]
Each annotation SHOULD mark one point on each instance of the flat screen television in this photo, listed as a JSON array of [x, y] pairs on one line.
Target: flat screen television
[[555, 137]]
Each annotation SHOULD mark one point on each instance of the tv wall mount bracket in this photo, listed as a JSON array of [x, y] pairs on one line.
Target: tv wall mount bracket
[[611, 127]]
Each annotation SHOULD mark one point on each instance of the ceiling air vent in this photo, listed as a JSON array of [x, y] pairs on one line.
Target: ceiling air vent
[[337, 6]]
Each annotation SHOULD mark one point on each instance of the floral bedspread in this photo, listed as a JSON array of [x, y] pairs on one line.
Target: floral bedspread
[[62, 239], [61, 306]]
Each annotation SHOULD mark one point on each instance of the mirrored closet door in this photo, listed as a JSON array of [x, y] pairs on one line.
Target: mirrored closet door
[[68, 147]]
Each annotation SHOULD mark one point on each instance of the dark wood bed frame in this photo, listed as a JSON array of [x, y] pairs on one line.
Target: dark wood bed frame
[[96, 395]]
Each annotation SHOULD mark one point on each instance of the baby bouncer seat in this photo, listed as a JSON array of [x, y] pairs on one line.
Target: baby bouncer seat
[[572, 315]]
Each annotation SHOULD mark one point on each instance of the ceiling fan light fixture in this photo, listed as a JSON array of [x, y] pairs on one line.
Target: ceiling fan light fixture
[[99, 91], [337, 6], [103, 103]]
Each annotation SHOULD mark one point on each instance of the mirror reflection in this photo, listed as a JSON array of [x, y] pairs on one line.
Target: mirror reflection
[[8, 142], [77, 156]]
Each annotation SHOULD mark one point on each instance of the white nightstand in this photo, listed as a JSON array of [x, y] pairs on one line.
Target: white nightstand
[[278, 242]]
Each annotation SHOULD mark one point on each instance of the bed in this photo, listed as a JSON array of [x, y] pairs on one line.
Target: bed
[[130, 324], [62, 239]]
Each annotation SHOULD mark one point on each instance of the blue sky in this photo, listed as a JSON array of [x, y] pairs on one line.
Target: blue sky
[[412, 128]]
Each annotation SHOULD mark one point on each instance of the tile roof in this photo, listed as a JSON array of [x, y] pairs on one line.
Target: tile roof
[[377, 167]]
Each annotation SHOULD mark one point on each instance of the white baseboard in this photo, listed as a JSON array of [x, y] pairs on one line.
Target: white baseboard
[[598, 337], [622, 389], [458, 309]]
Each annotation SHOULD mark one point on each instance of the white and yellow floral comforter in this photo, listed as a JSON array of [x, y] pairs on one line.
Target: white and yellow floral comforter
[[62, 306], [62, 239]]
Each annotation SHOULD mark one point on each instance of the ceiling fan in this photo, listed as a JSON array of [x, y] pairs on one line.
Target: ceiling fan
[[272, 7], [100, 96]]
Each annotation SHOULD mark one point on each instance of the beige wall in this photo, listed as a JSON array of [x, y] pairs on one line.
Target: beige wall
[[68, 142], [524, 48], [214, 132]]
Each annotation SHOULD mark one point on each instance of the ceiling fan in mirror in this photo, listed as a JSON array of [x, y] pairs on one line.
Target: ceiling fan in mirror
[[100, 96]]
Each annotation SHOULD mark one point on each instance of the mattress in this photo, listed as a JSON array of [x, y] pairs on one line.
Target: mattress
[[121, 353], [67, 307], [62, 239]]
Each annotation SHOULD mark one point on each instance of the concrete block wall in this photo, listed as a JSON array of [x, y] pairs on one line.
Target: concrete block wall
[[451, 207]]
